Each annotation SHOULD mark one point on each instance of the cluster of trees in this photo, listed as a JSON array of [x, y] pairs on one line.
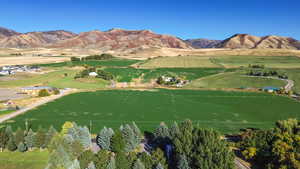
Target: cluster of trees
[[267, 73], [45, 92], [181, 146], [103, 56], [168, 80], [277, 148], [100, 73], [25, 140], [256, 66]]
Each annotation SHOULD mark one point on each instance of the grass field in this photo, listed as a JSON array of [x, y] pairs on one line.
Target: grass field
[[234, 80], [179, 61], [294, 74], [225, 111], [223, 61], [56, 79], [28, 160]]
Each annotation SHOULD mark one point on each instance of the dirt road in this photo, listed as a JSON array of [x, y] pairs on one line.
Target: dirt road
[[36, 104]]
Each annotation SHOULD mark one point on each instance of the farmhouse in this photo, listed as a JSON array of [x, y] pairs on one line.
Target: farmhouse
[[34, 91], [93, 74], [8, 70]]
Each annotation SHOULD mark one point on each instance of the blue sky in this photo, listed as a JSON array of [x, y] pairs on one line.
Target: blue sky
[[213, 19]]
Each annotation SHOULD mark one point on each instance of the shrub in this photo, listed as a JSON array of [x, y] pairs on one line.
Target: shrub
[[75, 59], [44, 93]]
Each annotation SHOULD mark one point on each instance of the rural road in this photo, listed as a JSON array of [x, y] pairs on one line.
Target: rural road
[[239, 164], [36, 104]]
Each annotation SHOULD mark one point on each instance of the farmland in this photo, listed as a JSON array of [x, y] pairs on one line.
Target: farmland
[[225, 111], [234, 80]]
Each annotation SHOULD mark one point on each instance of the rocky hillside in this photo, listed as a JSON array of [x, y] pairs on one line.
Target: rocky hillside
[[202, 43], [118, 39], [35, 39], [254, 42], [7, 32], [114, 39]]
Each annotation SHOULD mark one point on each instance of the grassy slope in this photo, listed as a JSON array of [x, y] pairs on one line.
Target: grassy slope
[[234, 80], [268, 61], [179, 61], [225, 111], [294, 74], [28, 160]]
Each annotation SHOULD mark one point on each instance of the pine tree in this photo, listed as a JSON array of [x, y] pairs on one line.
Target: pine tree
[[104, 138], [11, 145], [174, 130], [158, 156], [117, 142], [137, 133], [22, 147], [183, 163], [3, 138], [121, 161], [138, 164], [74, 165], [49, 135], [19, 136], [162, 131], [112, 163], [30, 139], [9, 132], [91, 165], [40, 138], [159, 166], [129, 138]]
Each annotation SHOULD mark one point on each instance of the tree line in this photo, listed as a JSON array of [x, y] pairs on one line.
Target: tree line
[[180, 146]]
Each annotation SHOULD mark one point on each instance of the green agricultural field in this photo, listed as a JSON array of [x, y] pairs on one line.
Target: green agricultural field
[[294, 74], [179, 61], [234, 80], [128, 74], [56, 79], [225, 111], [268, 61], [27, 160]]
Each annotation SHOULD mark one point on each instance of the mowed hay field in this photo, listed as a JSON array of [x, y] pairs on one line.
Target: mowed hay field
[[27, 160], [223, 61], [234, 80], [222, 110]]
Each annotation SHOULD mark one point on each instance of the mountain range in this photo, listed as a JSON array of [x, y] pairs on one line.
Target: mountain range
[[119, 39]]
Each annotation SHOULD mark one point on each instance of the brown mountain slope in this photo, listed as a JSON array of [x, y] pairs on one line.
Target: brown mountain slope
[[254, 42], [202, 43], [35, 39], [7, 32], [117, 39]]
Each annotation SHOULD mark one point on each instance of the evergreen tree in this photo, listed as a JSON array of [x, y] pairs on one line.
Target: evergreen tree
[[30, 139], [146, 160], [11, 145], [76, 148], [121, 161], [9, 132], [159, 166], [40, 138], [162, 135], [3, 138], [22, 147], [104, 138], [183, 163], [117, 142], [174, 130], [49, 135], [74, 165], [81, 134], [102, 159], [86, 158], [91, 166], [112, 163], [129, 137], [158, 156], [138, 164], [19, 136], [137, 133]]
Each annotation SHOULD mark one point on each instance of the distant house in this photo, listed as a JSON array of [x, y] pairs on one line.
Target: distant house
[[93, 74], [34, 91], [270, 89]]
